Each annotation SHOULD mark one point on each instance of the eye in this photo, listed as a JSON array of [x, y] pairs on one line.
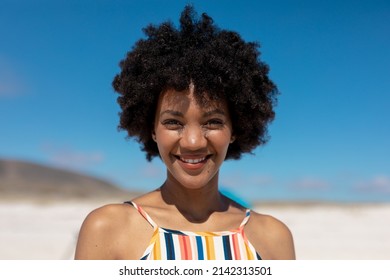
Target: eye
[[172, 124], [214, 124]]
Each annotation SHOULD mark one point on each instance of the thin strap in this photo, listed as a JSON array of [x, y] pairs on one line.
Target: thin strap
[[245, 220], [143, 213]]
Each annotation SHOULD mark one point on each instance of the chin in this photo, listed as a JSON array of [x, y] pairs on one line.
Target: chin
[[192, 182]]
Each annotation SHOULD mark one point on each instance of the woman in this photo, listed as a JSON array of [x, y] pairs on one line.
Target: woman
[[195, 96]]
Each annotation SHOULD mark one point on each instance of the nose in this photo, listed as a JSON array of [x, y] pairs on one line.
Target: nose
[[193, 138]]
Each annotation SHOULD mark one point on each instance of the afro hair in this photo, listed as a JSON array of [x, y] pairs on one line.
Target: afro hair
[[219, 63]]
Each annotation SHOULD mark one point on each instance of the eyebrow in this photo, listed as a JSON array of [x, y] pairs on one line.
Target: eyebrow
[[172, 112], [206, 114], [216, 111]]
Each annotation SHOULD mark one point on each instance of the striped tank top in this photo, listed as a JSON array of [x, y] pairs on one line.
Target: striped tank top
[[167, 244]]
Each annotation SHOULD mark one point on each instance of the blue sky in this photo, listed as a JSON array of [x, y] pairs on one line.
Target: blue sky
[[330, 60]]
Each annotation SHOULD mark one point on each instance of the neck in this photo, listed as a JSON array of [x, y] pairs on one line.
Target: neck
[[196, 205]]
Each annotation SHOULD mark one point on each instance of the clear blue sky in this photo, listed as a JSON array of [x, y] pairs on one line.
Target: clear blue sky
[[330, 60]]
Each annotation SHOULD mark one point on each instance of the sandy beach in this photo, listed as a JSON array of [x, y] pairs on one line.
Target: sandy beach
[[48, 230]]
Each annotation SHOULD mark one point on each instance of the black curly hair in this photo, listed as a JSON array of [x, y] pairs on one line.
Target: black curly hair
[[217, 62]]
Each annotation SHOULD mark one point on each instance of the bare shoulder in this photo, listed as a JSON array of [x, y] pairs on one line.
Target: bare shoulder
[[107, 232], [270, 236], [107, 217]]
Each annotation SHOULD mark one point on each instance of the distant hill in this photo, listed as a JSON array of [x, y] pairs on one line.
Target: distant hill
[[21, 179]]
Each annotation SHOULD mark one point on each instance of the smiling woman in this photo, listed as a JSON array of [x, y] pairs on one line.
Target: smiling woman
[[192, 140], [194, 96]]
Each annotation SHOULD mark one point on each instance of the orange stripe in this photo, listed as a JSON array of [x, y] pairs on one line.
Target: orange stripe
[[182, 246], [143, 213], [236, 248], [189, 248], [185, 247]]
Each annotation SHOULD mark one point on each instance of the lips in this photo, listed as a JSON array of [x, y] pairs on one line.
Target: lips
[[192, 162]]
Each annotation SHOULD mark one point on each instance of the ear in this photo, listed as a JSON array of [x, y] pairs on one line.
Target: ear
[[232, 139], [154, 136]]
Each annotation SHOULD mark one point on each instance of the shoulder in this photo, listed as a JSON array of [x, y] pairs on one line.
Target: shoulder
[[107, 215], [106, 230], [270, 236]]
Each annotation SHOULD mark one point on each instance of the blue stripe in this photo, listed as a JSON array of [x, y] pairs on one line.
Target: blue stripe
[[169, 246], [172, 231], [226, 247], [199, 246]]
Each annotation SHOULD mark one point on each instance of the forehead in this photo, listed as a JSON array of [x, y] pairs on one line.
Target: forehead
[[182, 100]]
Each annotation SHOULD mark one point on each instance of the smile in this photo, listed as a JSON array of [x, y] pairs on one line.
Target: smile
[[192, 160]]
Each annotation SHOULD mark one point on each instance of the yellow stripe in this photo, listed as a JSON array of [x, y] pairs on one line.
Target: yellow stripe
[[156, 252], [210, 247], [249, 252]]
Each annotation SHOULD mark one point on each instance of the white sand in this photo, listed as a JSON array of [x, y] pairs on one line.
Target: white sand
[[49, 231], [338, 232]]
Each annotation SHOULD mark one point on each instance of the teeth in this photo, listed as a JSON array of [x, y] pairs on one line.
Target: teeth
[[193, 160]]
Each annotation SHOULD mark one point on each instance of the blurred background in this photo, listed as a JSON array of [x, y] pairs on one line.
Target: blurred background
[[329, 143]]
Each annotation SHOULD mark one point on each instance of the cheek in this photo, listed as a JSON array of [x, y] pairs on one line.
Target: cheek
[[220, 139], [165, 139]]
